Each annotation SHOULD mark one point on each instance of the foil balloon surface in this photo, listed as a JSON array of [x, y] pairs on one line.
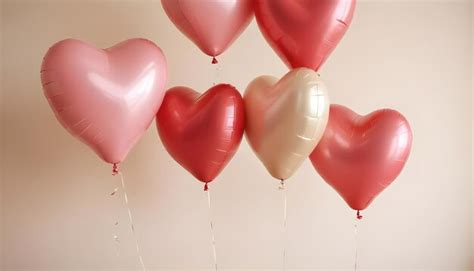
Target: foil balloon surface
[[360, 156], [105, 97], [286, 119], [304, 32], [202, 132]]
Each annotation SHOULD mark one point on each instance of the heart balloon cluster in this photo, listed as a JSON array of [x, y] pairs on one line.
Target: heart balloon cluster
[[109, 97]]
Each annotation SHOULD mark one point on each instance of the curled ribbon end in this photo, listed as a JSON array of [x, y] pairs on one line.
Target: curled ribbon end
[[206, 187], [115, 169], [214, 60], [359, 216]]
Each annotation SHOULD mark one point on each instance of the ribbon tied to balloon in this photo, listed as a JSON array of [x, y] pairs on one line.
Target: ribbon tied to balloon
[[105, 97], [304, 33], [211, 25], [202, 132], [285, 119], [359, 156]]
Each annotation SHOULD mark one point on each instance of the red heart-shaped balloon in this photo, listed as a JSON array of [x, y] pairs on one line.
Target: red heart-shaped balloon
[[304, 32], [202, 132], [359, 156]]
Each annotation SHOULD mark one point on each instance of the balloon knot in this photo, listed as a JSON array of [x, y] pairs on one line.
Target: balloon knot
[[282, 184], [206, 188], [214, 60], [359, 216], [115, 169]]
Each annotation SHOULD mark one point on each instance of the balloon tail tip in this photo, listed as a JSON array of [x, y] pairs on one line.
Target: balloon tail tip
[[206, 187], [115, 169], [282, 184], [359, 216], [214, 60]]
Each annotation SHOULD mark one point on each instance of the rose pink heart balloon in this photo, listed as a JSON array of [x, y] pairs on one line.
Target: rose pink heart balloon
[[304, 32], [212, 25], [359, 156], [107, 98], [202, 132]]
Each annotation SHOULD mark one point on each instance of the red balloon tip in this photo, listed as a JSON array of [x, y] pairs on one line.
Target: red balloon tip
[[359, 216], [206, 188], [115, 169], [214, 60]]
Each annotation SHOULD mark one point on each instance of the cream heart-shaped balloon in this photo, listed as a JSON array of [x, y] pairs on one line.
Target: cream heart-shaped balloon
[[285, 119]]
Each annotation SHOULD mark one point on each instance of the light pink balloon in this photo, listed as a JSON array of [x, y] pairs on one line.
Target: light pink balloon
[[107, 98], [211, 24]]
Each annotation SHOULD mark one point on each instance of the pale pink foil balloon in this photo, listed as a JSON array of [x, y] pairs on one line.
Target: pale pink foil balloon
[[286, 119], [304, 32], [211, 24], [359, 156], [107, 98]]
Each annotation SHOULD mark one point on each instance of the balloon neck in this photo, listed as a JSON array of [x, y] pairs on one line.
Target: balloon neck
[[282, 184], [115, 169], [206, 187], [358, 215], [214, 60]]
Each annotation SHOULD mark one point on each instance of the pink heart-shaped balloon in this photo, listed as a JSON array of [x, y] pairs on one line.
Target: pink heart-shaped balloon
[[211, 25], [107, 98], [304, 32], [359, 156]]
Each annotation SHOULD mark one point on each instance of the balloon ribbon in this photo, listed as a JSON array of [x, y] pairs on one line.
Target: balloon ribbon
[[211, 224], [217, 74], [115, 235], [284, 230], [115, 171], [356, 224]]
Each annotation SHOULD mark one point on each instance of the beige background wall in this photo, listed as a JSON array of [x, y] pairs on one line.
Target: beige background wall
[[57, 215]]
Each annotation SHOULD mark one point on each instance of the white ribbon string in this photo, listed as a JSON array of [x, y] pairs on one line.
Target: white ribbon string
[[217, 74], [284, 230], [130, 220], [356, 224], [213, 238], [115, 233]]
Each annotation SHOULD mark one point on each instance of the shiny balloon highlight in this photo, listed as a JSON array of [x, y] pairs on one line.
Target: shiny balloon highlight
[[105, 97], [360, 156], [304, 33], [202, 132], [211, 25], [286, 119]]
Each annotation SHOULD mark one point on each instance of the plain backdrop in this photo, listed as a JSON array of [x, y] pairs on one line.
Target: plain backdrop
[[413, 56]]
